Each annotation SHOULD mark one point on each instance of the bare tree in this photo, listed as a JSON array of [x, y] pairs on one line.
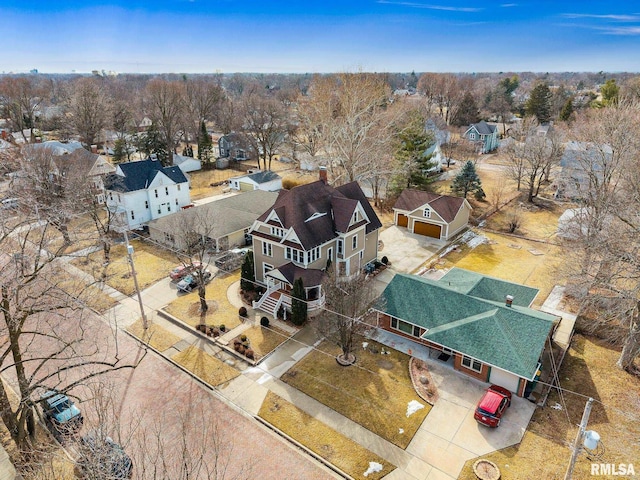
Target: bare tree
[[203, 96], [346, 304], [89, 107], [20, 99], [166, 101]]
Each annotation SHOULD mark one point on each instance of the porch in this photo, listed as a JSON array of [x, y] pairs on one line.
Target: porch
[[275, 297]]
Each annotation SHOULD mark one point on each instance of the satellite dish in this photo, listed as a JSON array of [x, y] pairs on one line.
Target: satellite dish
[[591, 440]]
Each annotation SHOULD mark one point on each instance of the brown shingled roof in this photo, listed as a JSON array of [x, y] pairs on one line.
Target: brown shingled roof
[[295, 207], [444, 205]]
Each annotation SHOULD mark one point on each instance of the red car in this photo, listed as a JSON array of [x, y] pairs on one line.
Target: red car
[[182, 271], [492, 405]]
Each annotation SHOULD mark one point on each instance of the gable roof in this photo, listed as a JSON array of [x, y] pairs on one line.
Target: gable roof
[[310, 277], [444, 205], [56, 147], [139, 175], [296, 207], [510, 338], [484, 128], [224, 216]]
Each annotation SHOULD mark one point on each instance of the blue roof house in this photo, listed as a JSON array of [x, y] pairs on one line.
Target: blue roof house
[[483, 135], [145, 190]]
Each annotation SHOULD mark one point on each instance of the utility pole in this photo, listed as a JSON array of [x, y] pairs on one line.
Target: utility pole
[[135, 278], [577, 444]]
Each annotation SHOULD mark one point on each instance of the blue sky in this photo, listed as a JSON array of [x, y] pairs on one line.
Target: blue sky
[[190, 36]]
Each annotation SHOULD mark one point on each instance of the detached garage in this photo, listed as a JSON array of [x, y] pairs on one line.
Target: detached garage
[[430, 214]]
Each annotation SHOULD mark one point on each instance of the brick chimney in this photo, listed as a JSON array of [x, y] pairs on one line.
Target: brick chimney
[[323, 174], [94, 148], [508, 300], [4, 134]]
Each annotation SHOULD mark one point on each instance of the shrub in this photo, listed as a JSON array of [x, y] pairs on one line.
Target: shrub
[[243, 338], [241, 349], [216, 332], [249, 353], [281, 312], [243, 312], [385, 260], [264, 321], [236, 342], [223, 328]]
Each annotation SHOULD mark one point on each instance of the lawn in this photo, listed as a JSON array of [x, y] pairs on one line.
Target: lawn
[[221, 312], [156, 336], [589, 369], [521, 261], [206, 367], [265, 340], [374, 393], [344, 453], [91, 295], [82, 232], [152, 264]]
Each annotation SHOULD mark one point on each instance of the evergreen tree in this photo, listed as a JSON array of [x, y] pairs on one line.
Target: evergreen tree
[[468, 112], [151, 143], [610, 92], [298, 303], [467, 181], [539, 103], [119, 151], [567, 110], [205, 145], [247, 274], [413, 141]]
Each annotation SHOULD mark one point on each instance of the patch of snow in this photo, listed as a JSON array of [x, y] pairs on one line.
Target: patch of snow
[[373, 468], [401, 431], [413, 406], [557, 406], [365, 345]]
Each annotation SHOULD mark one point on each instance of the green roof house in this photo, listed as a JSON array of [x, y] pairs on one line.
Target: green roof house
[[484, 323]]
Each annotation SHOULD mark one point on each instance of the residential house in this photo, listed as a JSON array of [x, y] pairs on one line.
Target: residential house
[[259, 180], [431, 214], [311, 228], [145, 190], [483, 326], [580, 162], [144, 124], [222, 224], [58, 148], [483, 135], [93, 166], [186, 164], [235, 146]]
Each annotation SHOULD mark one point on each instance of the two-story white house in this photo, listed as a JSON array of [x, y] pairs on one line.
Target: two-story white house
[[310, 229], [145, 190]]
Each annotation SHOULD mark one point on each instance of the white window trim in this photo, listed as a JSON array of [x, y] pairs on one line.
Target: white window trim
[[354, 242], [426, 213], [267, 249], [471, 362]]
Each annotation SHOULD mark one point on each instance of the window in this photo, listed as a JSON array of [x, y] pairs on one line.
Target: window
[[277, 232], [159, 209], [166, 190], [179, 187], [472, 136], [146, 204], [119, 200], [168, 207], [340, 246], [176, 202], [405, 327], [356, 217], [133, 216], [330, 253], [266, 249], [471, 364], [266, 268], [156, 192], [361, 254], [354, 242], [426, 213], [110, 195], [313, 255]]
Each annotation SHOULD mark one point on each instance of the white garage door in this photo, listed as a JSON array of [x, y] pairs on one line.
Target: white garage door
[[504, 379]]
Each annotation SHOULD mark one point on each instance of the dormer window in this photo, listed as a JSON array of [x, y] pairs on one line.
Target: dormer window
[[356, 217], [426, 213], [277, 232]]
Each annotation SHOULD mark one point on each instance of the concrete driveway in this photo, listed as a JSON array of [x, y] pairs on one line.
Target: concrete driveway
[[407, 251]]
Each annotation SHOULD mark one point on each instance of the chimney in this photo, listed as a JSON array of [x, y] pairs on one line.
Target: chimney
[[323, 174], [94, 148], [508, 300], [4, 134]]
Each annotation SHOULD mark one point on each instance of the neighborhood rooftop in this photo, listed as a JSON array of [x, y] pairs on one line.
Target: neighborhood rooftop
[[139, 175], [446, 206]]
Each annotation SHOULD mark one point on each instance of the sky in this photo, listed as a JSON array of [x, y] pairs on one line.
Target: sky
[[206, 36]]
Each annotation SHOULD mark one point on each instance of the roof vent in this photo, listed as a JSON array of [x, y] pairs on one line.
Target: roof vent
[[508, 300]]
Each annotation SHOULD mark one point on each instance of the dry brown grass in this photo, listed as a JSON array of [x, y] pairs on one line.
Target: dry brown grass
[[373, 393], [206, 367], [155, 335], [91, 295], [265, 340], [82, 232], [187, 307], [544, 452], [152, 264], [344, 453], [201, 182], [511, 259]]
